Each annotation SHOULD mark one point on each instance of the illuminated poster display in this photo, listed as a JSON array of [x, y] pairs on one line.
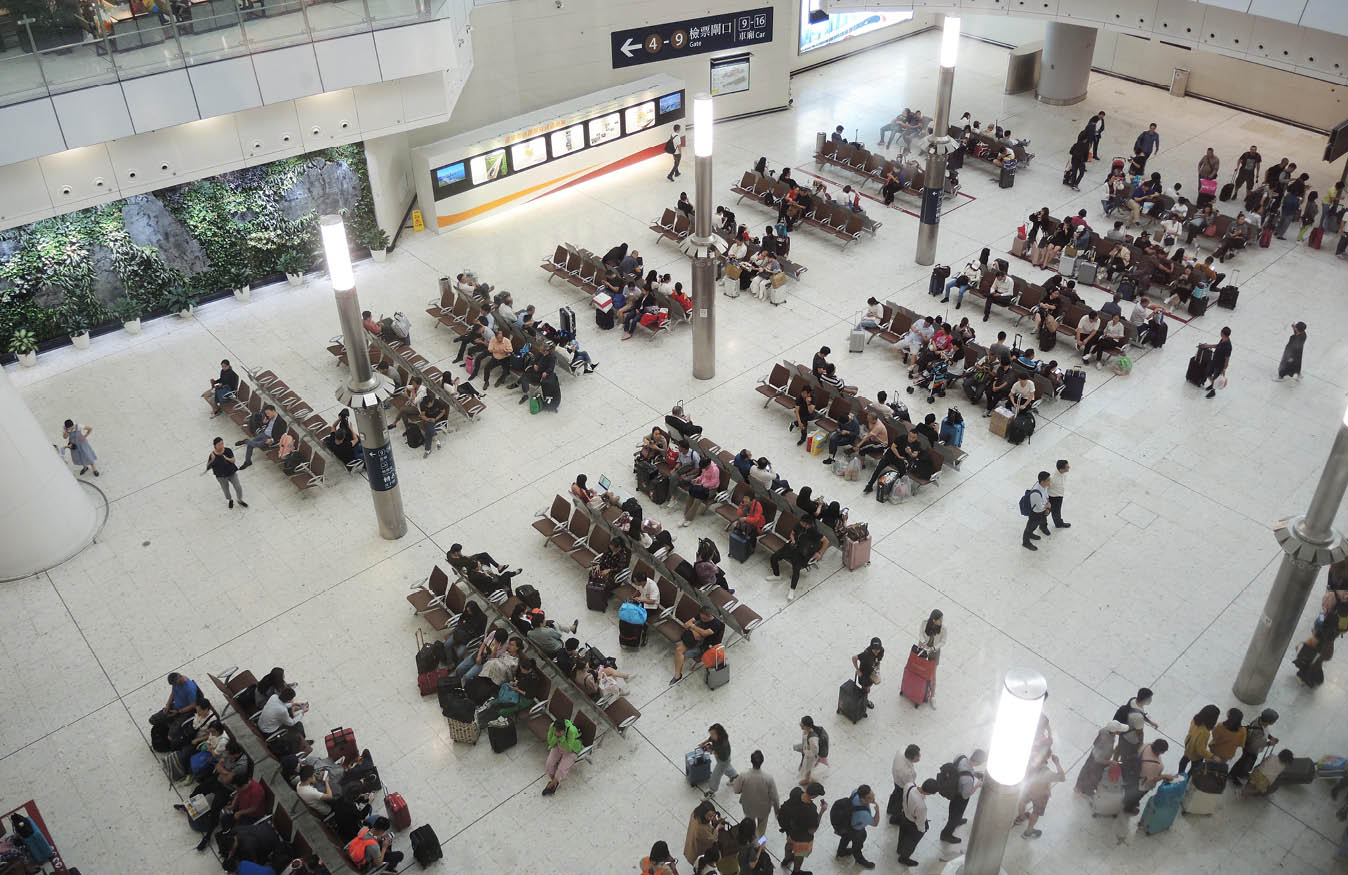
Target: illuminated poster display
[[605, 128], [487, 167], [842, 25], [729, 75], [529, 153], [640, 117], [566, 141]]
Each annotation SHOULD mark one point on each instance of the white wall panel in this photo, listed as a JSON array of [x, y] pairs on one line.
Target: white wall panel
[[223, 87], [1277, 40], [1325, 52], [76, 177], [269, 132], [145, 161], [379, 106], [1223, 29], [328, 119], [93, 115], [25, 193], [1179, 21], [410, 51], [1031, 8], [423, 96], [347, 61], [31, 129], [284, 74], [160, 101]]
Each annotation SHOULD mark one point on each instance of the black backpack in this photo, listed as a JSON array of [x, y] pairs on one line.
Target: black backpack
[[415, 438], [953, 416], [823, 742], [840, 815], [633, 507], [948, 781], [707, 549], [291, 463], [669, 146]]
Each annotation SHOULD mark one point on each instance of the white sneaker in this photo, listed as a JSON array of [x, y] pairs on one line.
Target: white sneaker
[[437, 443], [685, 524], [790, 595], [773, 577]]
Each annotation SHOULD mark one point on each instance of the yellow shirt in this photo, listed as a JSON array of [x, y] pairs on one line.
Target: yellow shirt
[[1225, 743], [1196, 742]]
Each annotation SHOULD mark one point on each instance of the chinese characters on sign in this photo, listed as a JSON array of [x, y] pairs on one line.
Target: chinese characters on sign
[[379, 466], [695, 36]]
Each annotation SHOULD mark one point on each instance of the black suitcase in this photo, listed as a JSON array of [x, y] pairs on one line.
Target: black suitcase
[[1021, 427], [596, 597], [446, 688], [645, 472], [566, 317], [1197, 306], [659, 489], [852, 701], [528, 593], [1007, 178], [1127, 288], [741, 547], [1227, 297], [502, 735], [1299, 771], [1156, 337], [455, 704], [1073, 384], [939, 274], [1228, 191], [1198, 367], [425, 845], [631, 635], [603, 319]]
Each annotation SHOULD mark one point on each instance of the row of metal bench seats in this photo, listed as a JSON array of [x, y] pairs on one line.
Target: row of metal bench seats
[[458, 311], [1028, 295], [1023, 156], [249, 399], [832, 218], [871, 165], [297, 413], [561, 265], [676, 225], [231, 683], [441, 603], [404, 361], [784, 383], [584, 534]]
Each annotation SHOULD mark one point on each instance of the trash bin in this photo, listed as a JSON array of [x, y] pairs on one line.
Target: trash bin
[[819, 140], [1179, 82]]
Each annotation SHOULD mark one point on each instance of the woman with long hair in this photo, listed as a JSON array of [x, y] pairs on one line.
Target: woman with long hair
[[1200, 733]]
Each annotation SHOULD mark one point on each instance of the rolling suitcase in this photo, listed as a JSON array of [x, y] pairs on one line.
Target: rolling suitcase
[[777, 291], [918, 675], [1228, 296], [659, 489], [1007, 178], [596, 597], [528, 593], [1197, 372], [718, 676], [1265, 238], [884, 487], [856, 341], [1163, 807], [1156, 337], [342, 743], [852, 701], [1067, 265], [1108, 798], [502, 735], [447, 688], [1086, 271], [429, 682], [1227, 192], [464, 731], [1197, 306], [697, 766], [631, 635], [1018, 246], [1207, 782], [740, 547], [939, 274], [603, 319], [856, 553], [425, 845], [399, 817], [566, 317], [1299, 771], [1317, 236]]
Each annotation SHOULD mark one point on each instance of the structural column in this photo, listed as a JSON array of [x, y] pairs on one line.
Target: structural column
[[46, 516], [1065, 70], [938, 147], [702, 245]]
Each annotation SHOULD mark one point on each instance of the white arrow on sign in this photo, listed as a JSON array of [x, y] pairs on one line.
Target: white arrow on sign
[[628, 47]]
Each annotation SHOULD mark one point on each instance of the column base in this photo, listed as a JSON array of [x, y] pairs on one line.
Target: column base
[[1054, 101]]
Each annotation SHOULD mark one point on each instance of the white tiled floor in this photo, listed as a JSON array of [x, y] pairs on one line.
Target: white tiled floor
[[1158, 583]]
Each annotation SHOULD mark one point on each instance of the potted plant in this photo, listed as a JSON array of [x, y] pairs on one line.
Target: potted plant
[[377, 242], [76, 322], [23, 343], [129, 310], [177, 299], [293, 263]]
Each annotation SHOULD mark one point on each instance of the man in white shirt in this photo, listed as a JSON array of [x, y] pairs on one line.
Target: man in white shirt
[[1107, 341], [1057, 489], [920, 332], [1087, 328], [999, 293], [1022, 393], [913, 823], [905, 773], [281, 710], [1039, 508], [647, 594], [314, 796], [675, 148]]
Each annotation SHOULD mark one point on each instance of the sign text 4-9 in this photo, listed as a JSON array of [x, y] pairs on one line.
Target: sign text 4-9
[[694, 36]]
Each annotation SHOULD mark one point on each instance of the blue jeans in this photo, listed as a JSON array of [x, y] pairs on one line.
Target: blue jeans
[[962, 289], [1284, 222], [222, 392], [469, 668], [719, 768]]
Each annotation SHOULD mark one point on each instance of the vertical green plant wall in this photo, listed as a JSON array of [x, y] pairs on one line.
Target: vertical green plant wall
[[138, 256]]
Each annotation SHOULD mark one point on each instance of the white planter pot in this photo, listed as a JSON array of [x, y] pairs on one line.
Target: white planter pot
[[185, 313], [243, 293], [132, 326], [295, 279], [379, 255], [80, 340], [28, 359]]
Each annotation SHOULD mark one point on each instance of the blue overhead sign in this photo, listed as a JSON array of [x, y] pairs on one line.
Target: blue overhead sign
[[693, 36]]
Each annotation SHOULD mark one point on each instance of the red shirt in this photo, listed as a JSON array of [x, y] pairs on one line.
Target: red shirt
[[249, 797]]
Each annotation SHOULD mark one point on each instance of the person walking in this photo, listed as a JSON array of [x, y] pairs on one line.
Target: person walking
[[758, 793], [1196, 742], [1247, 170], [1037, 516], [813, 748], [905, 773], [1095, 129], [1221, 357], [1208, 166], [1148, 142], [799, 819], [220, 462], [866, 664], [1035, 794], [1099, 758], [675, 148], [1132, 714], [718, 743], [913, 822], [958, 781], [77, 442], [1290, 364], [1057, 489], [861, 812], [1257, 739]]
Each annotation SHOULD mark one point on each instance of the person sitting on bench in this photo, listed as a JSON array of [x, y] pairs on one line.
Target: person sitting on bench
[[847, 433], [1001, 292], [1109, 340], [804, 546], [699, 633], [999, 387]]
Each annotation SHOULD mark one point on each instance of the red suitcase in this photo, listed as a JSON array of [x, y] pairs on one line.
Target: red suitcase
[[918, 676], [1266, 238], [1317, 234], [342, 743], [398, 815], [429, 682]]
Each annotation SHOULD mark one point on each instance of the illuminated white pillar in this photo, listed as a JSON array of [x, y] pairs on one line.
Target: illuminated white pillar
[[702, 245], [939, 146]]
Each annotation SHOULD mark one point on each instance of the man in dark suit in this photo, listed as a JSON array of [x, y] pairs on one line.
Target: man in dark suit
[[266, 437]]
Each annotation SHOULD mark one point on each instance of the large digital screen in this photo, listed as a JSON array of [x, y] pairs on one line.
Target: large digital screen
[[490, 166], [671, 102], [529, 153], [605, 128], [640, 117], [842, 25], [567, 140], [729, 75], [446, 176]]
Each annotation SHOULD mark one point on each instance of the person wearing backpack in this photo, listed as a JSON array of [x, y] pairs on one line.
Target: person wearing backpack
[[958, 781], [1133, 714], [1035, 507], [799, 819], [674, 146], [813, 748], [850, 818]]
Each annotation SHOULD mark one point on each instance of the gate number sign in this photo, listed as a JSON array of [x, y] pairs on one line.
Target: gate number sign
[[694, 36]]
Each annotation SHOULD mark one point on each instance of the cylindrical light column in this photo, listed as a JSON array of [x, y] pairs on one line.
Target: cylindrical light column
[[1308, 543], [938, 146], [702, 244], [365, 391], [1022, 701]]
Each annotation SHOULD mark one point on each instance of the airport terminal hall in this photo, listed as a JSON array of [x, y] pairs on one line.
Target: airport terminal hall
[[655, 437]]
